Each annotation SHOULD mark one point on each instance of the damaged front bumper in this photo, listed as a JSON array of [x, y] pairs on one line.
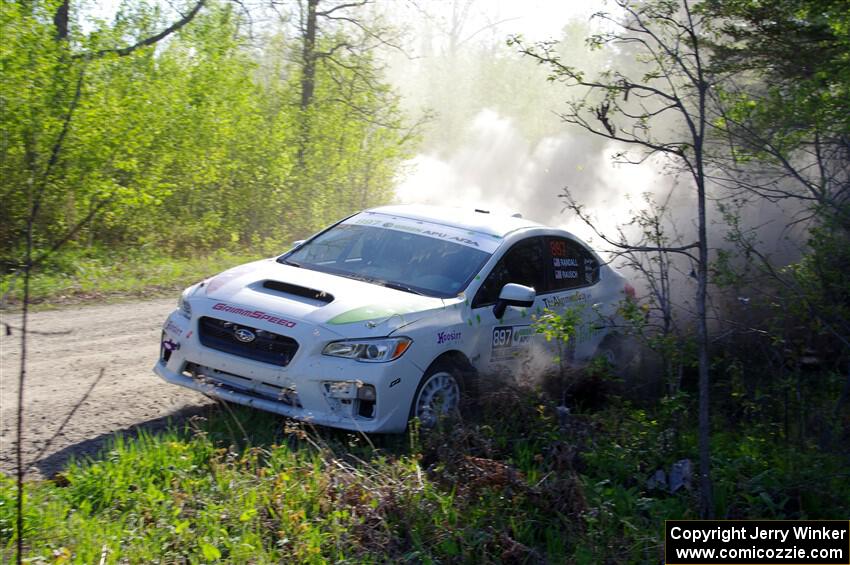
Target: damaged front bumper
[[323, 390]]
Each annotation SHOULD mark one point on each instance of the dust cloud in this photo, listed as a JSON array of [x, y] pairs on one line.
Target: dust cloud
[[495, 140], [498, 169]]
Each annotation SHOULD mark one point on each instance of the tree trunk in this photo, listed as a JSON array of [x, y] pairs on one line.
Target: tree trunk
[[308, 87], [308, 76], [60, 20], [706, 499], [308, 56], [705, 495]]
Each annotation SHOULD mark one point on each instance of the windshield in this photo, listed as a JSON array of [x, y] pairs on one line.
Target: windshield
[[440, 263]]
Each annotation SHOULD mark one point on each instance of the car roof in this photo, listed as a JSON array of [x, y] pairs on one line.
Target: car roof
[[471, 219]]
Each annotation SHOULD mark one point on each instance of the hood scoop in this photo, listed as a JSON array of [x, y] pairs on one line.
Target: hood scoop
[[296, 290]]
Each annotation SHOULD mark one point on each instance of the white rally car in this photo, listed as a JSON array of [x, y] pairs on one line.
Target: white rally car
[[386, 316]]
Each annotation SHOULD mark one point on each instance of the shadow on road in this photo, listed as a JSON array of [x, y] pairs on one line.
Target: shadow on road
[[51, 464], [229, 426]]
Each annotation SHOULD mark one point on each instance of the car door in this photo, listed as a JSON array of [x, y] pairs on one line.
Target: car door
[[508, 344], [572, 284]]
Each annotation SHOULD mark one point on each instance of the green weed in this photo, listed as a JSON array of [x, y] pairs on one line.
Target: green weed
[[97, 274], [245, 486]]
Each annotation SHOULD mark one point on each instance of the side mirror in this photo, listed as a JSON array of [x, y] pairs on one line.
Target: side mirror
[[514, 295]]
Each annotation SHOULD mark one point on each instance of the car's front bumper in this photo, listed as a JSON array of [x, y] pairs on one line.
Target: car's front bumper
[[298, 390]]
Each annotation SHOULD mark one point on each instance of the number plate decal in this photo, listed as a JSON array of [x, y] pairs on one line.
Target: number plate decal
[[502, 336], [509, 341]]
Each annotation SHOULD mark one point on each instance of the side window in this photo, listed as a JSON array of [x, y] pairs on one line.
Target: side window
[[573, 266], [524, 263]]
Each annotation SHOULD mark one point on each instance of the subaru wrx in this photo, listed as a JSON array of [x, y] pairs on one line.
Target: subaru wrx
[[386, 316]]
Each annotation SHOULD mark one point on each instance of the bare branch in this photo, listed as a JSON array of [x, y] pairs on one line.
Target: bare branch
[[368, 32], [342, 7], [10, 328], [57, 146], [71, 232], [579, 211], [124, 51], [332, 50]]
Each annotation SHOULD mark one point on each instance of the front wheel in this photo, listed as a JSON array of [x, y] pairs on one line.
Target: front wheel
[[438, 394]]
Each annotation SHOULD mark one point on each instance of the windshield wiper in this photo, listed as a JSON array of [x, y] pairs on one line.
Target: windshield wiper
[[382, 282], [398, 286], [288, 262]]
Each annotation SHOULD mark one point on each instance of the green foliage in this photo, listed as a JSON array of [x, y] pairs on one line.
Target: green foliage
[[559, 327], [353, 139], [242, 485], [190, 143], [97, 273], [800, 48], [786, 117], [821, 285], [761, 476]]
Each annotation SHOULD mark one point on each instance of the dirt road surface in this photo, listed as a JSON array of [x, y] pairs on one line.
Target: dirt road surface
[[72, 411]]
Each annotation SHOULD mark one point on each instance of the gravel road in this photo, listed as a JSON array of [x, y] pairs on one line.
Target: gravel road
[[71, 409]]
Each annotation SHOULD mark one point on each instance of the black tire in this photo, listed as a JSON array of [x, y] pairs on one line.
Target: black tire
[[620, 351], [439, 394]]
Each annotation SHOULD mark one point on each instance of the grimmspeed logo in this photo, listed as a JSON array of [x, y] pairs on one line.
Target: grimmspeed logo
[[254, 314]]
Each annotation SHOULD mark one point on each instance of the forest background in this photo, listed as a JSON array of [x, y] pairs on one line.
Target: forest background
[[145, 147]]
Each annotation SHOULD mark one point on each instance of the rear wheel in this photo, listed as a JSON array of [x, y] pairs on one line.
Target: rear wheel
[[621, 352], [438, 394]]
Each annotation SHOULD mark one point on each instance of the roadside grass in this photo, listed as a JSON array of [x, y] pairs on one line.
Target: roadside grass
[[80, 275], [538, 486]]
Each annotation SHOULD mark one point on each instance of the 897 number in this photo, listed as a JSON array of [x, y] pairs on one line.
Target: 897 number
[[502, 336]]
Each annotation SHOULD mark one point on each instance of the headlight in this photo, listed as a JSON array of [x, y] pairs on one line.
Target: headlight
[[183, 302], [369, 350]]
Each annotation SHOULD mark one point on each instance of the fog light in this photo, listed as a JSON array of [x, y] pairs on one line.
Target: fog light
[[366, 392], [340, 389]]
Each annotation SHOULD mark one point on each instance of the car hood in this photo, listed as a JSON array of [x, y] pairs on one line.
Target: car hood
[[346, 306]]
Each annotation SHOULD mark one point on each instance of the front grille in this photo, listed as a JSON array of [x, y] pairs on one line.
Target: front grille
[[267, 347]]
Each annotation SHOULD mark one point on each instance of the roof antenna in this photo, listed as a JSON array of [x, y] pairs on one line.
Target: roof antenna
[[516, 215]]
